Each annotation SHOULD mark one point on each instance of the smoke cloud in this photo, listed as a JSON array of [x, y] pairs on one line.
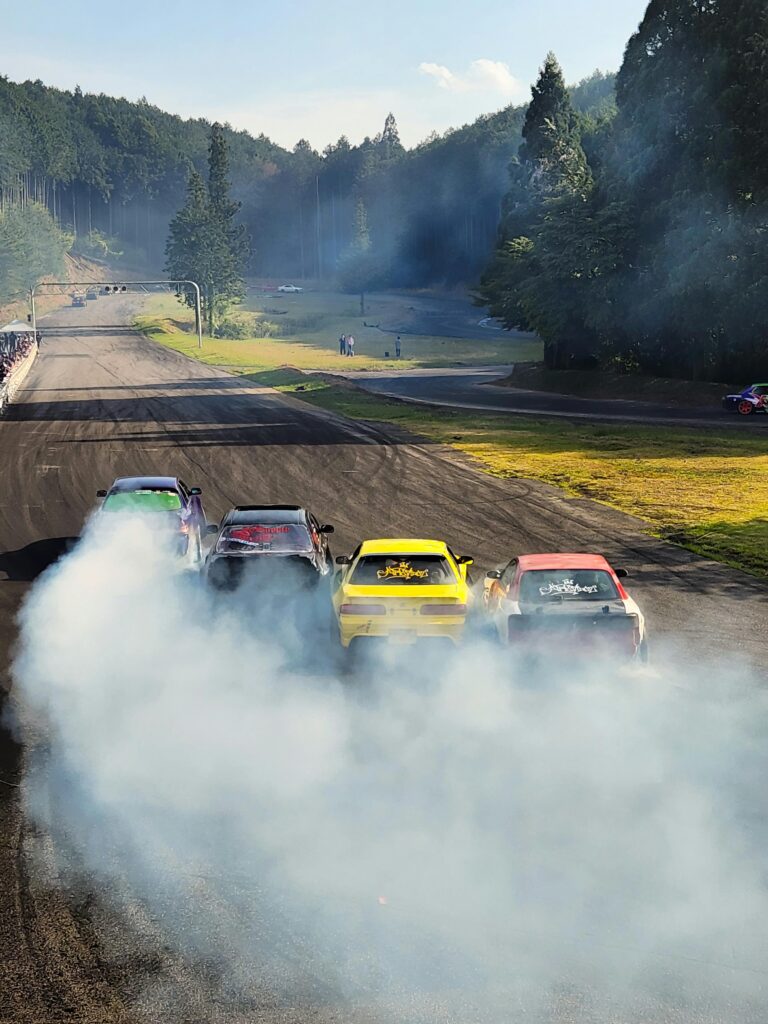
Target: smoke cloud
[[436, 836]]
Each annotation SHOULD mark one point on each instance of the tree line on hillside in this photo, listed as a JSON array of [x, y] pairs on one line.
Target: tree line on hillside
[[113, 173], [640, 240], [31, 247]]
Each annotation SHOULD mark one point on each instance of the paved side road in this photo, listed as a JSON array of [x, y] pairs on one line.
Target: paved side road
[[106, 402], [472, 388]]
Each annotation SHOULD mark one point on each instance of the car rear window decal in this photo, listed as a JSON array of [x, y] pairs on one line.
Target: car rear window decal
[[566, 586], [402, 571], [255, 537], [539, 586]]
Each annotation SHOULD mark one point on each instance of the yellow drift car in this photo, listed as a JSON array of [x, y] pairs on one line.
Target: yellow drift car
[[402, 590]]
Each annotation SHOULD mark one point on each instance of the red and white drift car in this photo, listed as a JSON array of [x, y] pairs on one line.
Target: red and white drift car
[[564, 604]]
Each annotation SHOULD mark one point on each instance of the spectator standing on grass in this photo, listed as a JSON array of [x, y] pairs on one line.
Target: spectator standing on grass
[[350, 345], [343, 345], [397, 347]]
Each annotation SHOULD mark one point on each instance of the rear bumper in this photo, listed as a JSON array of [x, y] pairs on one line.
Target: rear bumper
[[573, 653], [567, 640], [400, 631]]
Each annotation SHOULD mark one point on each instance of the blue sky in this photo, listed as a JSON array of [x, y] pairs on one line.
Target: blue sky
[[294, 68]]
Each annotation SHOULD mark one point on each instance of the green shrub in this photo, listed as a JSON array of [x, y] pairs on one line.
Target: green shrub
[[97, 245], [265, 329], [232, 329]]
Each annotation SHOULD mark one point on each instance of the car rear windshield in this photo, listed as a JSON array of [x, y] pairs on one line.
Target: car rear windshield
[[412, 570], [538, 586], [142, 501], [279, 538]]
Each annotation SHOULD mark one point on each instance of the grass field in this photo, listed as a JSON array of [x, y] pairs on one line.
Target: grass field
[[309, 327], [706, 491]]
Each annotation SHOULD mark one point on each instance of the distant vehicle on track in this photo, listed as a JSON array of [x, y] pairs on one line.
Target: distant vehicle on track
[[92, 293], [290, 288], [78, 298], [564, 604], [269, 540], [403, 590], [162, 496], [753, 398]]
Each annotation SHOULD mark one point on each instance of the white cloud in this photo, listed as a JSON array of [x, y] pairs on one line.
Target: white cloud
[[497, 76], [444, 77], [482, 75]]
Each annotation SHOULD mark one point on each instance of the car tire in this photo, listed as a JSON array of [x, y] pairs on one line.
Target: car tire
[[745, 408], [642, 652]]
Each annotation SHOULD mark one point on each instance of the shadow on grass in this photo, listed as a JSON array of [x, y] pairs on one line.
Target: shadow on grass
[[744, 545]]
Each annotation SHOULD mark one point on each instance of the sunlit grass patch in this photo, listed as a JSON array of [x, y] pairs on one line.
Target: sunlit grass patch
[[708, 492], [304, 332]]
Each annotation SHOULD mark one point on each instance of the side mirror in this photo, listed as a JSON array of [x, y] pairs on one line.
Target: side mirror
[[327, 528], [621, 573], [101, 494], [465, 560], [212, 528], [343, 560], [195, 490], [493, 574]]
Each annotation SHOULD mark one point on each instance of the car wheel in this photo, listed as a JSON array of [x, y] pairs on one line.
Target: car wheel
[[745, 408]]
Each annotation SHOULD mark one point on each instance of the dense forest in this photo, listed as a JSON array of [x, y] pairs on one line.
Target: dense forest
[[625, 220], [641, 242], [113, 173]]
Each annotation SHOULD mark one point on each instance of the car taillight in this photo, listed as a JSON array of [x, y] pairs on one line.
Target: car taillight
[[363, 609], [184, 527], [443, 609]]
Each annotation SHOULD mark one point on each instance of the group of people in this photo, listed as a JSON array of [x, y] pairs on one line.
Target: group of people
[[346, 345], [14, 348]]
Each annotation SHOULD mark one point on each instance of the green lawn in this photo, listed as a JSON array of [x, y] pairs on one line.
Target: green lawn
[[305, 330], [706, 491]]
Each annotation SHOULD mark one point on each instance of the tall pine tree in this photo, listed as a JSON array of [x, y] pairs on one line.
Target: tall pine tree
[[550, 119], [359, 267], [204, 242], [187, 254], [535, 281]]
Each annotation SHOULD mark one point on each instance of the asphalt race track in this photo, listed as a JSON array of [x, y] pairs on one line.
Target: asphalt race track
[[102, 402], [473, 388]]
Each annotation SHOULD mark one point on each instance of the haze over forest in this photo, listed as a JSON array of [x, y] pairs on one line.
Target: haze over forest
[[628, 215]]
